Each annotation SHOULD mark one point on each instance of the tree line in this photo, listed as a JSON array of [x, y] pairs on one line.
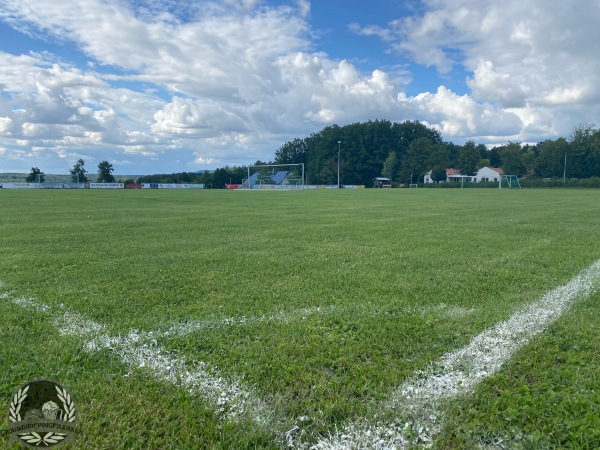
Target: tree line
[[78, 173], [404, 152]]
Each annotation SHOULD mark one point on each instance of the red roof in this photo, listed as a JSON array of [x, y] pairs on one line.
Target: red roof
[[497, 169], [452, 172]]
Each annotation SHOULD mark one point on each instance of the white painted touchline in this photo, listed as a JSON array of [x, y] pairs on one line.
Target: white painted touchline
[[419, 401], [231, 399]]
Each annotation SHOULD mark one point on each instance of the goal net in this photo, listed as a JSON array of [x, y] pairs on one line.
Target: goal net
[[509, 182], [275, 176]]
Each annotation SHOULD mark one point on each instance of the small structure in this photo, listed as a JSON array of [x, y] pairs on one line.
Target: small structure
[[485, 174], [382, 182], [489, 174]]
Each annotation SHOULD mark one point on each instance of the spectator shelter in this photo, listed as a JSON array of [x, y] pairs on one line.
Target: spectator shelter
[[382, 182]]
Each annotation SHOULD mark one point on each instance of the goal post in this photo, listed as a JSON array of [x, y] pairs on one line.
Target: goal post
[[509, 182], [275, 176]]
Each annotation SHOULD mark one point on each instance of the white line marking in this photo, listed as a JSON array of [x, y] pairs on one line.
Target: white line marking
[[185, 328], [231, 399], [420, 400], [440, 310]]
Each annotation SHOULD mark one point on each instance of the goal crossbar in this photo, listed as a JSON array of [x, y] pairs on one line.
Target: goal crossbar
[[300, 166]]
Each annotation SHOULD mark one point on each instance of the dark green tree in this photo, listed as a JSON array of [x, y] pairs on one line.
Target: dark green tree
[[550, 161], [390, 166], [423, 155], [293, 152], [220, 177], [105, 170], [364, 150], [78, 172], [35, 176], [438, 174], [583, 160], [468, 159], [512, 159]]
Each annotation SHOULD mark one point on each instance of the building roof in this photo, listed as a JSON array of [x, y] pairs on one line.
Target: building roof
[[497, 169], [452, 172]]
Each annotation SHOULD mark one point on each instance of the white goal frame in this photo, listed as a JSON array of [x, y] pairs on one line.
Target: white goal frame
[[509, 181], [301, 165]]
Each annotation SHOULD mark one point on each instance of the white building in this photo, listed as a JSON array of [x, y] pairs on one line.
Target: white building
[[485, 174], [488, 174]]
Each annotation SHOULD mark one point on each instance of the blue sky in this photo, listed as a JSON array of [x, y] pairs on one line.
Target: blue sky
[[180, 85]]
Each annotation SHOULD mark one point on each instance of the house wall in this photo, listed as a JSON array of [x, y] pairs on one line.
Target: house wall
[[487, 174]]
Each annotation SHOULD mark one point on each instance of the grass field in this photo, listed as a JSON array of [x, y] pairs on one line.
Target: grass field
[[235, 320]]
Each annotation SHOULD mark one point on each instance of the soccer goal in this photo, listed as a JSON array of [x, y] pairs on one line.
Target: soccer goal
[[413, 186], [275, 176], [509, 182]]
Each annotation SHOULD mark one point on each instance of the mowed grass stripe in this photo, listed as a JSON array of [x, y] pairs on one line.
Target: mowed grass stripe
[[421, 400]]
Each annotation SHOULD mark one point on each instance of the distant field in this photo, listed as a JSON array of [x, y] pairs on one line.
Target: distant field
[[237, 320]]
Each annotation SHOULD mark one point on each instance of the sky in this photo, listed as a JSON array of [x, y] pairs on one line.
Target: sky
[[163, 86]]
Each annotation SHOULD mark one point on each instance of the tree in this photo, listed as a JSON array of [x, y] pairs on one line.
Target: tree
[[78, 172], [293, 152], [36, 176], [220, 177], [424, 155], [584, 152], [105, 170], [512, 159], [551, 158], [468, 159], [390, 166]]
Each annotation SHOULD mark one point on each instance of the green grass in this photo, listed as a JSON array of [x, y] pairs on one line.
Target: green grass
[[403, 276], [548, 397]]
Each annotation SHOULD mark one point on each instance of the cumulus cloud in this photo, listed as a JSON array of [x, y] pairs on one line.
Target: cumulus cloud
[[196, 118], [461, 116], [6, 126], [526, 58], [232, 80]]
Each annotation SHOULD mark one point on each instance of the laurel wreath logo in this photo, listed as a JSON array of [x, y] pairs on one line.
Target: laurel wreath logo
[[14, 409], [34, 438], [48, 439], [68, 404]]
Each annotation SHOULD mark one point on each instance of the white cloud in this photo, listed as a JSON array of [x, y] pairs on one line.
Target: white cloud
[[326, 91], [196, 118], [535, 59], [232, 80], [6, 126], [461, 116]]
